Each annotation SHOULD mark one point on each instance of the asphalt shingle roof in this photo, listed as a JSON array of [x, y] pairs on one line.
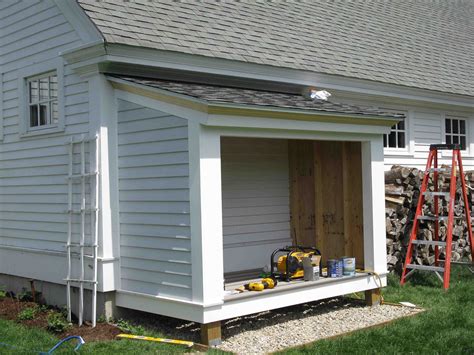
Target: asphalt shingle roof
[[425, 44], [256, 98]]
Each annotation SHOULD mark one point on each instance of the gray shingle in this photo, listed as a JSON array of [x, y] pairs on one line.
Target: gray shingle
[[423, 43], [252, 97]]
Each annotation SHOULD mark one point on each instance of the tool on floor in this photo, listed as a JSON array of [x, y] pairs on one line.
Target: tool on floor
[[266, 283], [186, 343], [289, 264], [432, 167]]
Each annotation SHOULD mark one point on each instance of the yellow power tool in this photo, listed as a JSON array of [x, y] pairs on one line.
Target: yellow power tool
[[262, 285]]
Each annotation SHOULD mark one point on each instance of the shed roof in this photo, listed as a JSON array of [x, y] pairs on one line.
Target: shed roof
[[424, 44], [214, 94]]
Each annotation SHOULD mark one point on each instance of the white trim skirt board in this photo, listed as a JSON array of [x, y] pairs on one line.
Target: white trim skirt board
[[263, 301], [50, 266]]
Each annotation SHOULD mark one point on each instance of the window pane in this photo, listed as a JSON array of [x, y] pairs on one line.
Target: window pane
[[44, 88], [34, 116], [392, 140], [43, 115], [53, 86], [401, 140], [455, 126], [462, 128], [385, 140], [463, 142], [447, 123], [448, 139], [455, 139], [33, 89], [401, 125], [54, 112]]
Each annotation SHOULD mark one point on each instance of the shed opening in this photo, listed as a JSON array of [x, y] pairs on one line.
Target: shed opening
[[280, 192]]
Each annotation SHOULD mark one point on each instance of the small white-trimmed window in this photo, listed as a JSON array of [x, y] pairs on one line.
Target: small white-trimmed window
[[455, 131], [396, 139], [42, 91]]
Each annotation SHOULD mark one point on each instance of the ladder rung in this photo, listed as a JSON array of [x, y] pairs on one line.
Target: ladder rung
[[78, 176], [85, 140], [439, 218], [429, 242], [436, 193], [87, 210], [425, 267], [83, 245], [81, 281]]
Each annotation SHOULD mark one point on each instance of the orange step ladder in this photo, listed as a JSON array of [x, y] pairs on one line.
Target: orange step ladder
[[432, 167]]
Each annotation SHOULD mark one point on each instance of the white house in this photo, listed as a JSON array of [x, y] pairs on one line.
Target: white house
[[152, 151]]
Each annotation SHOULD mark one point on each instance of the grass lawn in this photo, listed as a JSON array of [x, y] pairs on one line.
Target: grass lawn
[[40, 340], [446, 327]]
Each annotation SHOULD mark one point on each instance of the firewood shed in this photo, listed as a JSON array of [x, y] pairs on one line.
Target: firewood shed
[[244, 171]]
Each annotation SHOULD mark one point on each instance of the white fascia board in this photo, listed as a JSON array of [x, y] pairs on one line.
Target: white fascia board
[[280, 124], [209, 65], [217, 66], [174, 104], [175, 110], [78, 19], [294, 134]]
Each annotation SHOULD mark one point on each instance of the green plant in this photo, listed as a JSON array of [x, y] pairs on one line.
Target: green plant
[[28, 313], [57, 323], [24, 295], [126, 327], [3, 293], [102, 319]]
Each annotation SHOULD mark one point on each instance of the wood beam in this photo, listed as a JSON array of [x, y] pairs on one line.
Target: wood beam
[[211, 334], [373, 297]]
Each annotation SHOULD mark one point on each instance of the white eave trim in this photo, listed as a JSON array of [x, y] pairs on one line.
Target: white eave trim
[[181, 61], [212, 113]]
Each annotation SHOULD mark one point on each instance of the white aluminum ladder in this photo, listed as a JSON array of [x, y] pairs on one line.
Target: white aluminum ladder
[[76, 249]]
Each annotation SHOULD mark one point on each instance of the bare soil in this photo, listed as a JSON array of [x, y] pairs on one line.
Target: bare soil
[[11, 307]]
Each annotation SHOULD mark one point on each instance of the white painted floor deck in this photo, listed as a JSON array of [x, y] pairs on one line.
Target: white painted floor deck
[[283, 286]]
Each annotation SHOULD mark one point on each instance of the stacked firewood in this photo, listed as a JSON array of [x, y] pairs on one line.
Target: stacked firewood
[[402, 190]]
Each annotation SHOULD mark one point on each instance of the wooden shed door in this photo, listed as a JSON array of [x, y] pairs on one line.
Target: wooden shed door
[[326, 197]]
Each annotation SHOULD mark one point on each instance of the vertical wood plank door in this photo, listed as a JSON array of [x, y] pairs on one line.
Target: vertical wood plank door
[[326, 197], [302, 192]]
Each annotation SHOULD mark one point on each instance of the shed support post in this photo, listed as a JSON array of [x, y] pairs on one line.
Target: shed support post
[[211, 333], [373, 297], [373, 188]]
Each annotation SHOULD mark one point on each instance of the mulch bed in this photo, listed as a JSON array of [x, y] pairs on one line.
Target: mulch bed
[[11, 307]]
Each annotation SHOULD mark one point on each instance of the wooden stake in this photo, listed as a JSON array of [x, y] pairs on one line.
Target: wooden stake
[[211, 333], [373, 297]]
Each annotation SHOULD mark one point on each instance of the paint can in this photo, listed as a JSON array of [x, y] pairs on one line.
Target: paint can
[[334, 267], [348, 266]]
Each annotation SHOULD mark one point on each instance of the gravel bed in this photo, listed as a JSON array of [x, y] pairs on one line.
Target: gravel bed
[[281, 328], [292, 326]]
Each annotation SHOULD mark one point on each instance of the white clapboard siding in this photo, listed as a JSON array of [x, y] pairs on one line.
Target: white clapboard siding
[[33, 187], [153, 159], [255, 200], [426, 129]]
